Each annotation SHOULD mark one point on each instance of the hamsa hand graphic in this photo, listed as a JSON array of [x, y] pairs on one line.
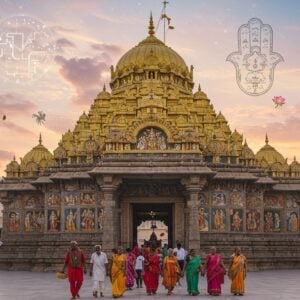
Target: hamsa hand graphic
[[255, 60]]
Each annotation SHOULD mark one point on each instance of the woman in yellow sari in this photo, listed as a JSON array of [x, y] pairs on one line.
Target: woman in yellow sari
[[170, 271], [237, 272], [118, 271]]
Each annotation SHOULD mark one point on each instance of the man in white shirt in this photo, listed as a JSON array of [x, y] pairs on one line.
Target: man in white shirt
[[98, 269], [180, 253], [139, 267]]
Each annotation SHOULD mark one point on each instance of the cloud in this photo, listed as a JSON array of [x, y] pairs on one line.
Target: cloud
[[111, 49], [59, 124], [87, 75], [63, 43], [11, 103], [6, 155], [16, 128]]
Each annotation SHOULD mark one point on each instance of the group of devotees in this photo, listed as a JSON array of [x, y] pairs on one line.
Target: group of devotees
[[144, 266]]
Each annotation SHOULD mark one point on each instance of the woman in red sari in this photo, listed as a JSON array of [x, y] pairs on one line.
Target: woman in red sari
[[215, 272], [151, 272]]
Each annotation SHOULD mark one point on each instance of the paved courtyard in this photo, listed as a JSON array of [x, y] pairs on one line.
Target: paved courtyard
[[283, 284]]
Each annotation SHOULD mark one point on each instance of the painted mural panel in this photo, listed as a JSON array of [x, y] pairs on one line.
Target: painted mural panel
[[53, 220], [253, 200], [236, 199], [218, 219], [88, 198], [14, 221], [53, 198], [101, 218], [272, 220], [34, 221], [87, 219], [70, 198], [203, 219], [253, 220], [32, 202], [70, 219], [274, 201], [203, 199], [218, 199], [236, 220], [291, 202], [292, 221]]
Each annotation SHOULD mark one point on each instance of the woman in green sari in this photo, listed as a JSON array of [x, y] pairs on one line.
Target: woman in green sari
[[192, 267]]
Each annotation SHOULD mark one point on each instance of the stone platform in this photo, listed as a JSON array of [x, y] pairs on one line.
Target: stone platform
[[282, 284]]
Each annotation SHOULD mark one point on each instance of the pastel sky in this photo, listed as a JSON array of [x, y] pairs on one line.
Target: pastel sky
[[91, 35]]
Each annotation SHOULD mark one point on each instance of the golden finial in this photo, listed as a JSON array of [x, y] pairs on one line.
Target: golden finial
[[151, 26], [295, 158], [40, 139], [199, 88], [104, 88], [14, 158], [245, 144], [267, 139]]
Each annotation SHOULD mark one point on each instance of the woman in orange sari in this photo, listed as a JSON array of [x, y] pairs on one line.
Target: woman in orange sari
[[118, 271], [170, 271], [237, 272], [215, 272]]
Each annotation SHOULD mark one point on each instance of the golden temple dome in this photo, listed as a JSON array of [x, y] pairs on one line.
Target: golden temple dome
[[269, 154], [151, 53], [39, 155]]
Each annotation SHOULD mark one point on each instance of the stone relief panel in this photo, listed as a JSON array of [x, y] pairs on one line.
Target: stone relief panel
[[101, 218], [151, 139], [71, 219], [290, 202], [87, 219], [14, 221], [53, 220], [292, 221], [272, 220], [34, 221], [71, 198], [218, 219], [236, 220], [53, 198], [253, 200], [253, 220], [203, 200], [88, 198], [218, 199], [203, 219], [236, 199], [274, 201]]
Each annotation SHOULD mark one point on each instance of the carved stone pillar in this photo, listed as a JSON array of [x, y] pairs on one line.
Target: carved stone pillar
[[5, 202], [109, 185], [193, 185]]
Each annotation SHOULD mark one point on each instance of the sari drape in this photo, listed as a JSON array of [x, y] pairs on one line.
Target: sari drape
[[151, 273], [215, 274], [171, 271], [118, 275], [130, 271], [237, 274], [192, 275]]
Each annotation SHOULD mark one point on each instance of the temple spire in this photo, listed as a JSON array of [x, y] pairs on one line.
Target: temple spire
[[245, 143], [199, 88], [151, 26], [40, 139], [104, 88], [267, 139]]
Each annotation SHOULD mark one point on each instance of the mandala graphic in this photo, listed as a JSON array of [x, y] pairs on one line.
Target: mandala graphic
[[255, 60], [26, 49]]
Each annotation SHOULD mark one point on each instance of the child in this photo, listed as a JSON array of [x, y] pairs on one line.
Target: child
[[139, 267]]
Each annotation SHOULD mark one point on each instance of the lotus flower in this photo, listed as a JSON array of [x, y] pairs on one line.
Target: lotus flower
[[278, 101]]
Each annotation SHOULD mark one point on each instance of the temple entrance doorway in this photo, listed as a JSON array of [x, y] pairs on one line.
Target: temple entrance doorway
[[153, 222]]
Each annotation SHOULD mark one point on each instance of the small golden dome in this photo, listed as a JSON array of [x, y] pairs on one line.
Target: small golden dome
[[39, 155], [13, 166], [295, 166], [220, 118], [151, 53], [200, 95], [103, 94], [247, 152], [269, 154]]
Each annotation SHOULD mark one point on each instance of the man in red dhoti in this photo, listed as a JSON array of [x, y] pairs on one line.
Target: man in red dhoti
[[75, 261]]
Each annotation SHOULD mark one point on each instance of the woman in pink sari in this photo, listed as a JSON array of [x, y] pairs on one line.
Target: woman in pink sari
[[215, 272], [130, 270]]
